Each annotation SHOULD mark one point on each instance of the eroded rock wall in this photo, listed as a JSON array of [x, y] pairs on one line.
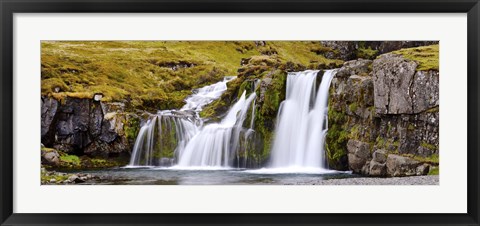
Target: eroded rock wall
[[384, 118], [88, 127]]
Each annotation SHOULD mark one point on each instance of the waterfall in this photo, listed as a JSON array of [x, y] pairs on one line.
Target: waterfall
[[302, 122], [193, 144], [216, 144], [170, 131], [162, 134], [206, 95]]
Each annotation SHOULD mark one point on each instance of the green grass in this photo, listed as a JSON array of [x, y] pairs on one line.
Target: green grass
[[427, 57], [142, 71]]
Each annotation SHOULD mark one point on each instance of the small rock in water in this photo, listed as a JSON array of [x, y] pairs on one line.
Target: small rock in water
[[53, 180]]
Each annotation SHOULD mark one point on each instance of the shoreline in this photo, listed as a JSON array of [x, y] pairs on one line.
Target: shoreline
[[413, 180]]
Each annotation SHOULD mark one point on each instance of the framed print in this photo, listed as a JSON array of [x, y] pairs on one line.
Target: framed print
[[245, 113]]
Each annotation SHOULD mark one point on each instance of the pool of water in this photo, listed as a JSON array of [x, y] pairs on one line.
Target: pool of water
[[212, 176]]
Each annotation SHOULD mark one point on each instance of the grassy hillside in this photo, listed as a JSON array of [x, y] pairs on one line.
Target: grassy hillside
[[426, 56], [154, 74]]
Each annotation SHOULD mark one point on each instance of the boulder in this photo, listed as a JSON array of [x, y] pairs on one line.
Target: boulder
[[380, 156], [50, 157], [423, 169], [358, 154], [377, 169], [401, 166]]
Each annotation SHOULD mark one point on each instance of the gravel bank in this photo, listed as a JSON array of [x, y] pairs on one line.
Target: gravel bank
[[416, 180]]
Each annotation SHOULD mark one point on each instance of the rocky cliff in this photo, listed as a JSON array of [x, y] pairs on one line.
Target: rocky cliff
[[88, 127], [384, 117]]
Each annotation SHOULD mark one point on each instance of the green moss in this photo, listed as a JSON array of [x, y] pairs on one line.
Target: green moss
[[380, 142], [428, 146], [71, 160], [367, 53], [434, 171], [411, 127], [353, 107], [301, 52], [433, 110], [432, 159], [427, 57], [389, 127], [45, 149], [337, 137], [245, 86], [99, 161], [156, 74], [354, 132], [131, 127], [274, 94], [45, 178]]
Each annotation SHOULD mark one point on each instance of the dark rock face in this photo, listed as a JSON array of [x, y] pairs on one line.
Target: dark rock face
[[383, 117], [49, 110], [84, 126]]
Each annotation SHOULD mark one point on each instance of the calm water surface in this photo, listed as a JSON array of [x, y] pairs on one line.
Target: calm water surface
[[212, 176]]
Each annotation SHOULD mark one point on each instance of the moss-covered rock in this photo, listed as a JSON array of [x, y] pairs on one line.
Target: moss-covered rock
[[411, 134]]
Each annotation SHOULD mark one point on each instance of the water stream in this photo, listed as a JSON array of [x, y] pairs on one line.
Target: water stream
[[299, 133]]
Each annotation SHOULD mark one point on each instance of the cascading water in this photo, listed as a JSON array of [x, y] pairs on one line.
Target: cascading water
[[182, 131], [171, 129], [216, 144], [163, 133], [206, 95], [302, 122]]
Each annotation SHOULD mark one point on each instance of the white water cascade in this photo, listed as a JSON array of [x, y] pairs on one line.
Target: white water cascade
[[216, 144], [302, 122], [193, 144], [172, 129]]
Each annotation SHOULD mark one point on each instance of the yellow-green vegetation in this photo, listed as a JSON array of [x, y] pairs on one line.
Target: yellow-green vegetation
[[432, 159], [367, 53], [70, 161], [154, 74], [337, 137], [428, 146], [434, 170], [303, 53], [131, 127], [45, 149], [427, 57], [45, 177]]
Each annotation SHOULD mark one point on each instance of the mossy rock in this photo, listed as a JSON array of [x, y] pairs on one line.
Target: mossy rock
[[427, 57]]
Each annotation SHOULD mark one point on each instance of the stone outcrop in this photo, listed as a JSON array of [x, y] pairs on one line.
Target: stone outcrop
[[400, 89], [350, 50], [87, 127], [384, 117]]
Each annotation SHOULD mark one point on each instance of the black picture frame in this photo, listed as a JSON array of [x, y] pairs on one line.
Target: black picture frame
[[9, 7]]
